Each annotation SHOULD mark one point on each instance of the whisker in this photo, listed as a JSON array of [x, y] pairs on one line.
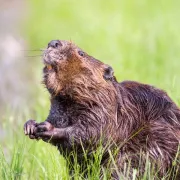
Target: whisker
[[43, 49], [35, 56], [34, 50]]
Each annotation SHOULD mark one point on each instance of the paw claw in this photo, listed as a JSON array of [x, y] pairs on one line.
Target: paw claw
[[29, 127]]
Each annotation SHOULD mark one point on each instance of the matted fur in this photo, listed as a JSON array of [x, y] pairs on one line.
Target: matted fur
[[86, 106]]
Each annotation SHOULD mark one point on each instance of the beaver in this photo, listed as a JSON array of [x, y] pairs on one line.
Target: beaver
[[89, 105]]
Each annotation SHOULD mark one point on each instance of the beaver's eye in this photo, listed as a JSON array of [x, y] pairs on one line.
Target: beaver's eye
[[81, 53]]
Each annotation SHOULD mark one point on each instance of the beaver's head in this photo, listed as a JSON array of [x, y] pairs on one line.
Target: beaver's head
[[70, 70]]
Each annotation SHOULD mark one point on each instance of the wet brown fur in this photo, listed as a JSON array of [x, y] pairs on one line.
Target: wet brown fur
[[134, 116]]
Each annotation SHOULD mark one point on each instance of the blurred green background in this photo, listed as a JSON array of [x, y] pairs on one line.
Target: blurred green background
[[139, 39]]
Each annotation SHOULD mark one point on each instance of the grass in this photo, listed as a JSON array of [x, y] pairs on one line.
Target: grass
[[139, 39]]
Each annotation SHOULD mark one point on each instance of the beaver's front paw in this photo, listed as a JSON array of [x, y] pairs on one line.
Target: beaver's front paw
[[43, 126], [44, 131], [29, 128]]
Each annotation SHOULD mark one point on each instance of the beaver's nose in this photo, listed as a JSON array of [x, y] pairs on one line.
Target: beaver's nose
[[54, 44]]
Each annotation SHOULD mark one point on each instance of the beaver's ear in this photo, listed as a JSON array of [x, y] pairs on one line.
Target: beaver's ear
[[108, 72]]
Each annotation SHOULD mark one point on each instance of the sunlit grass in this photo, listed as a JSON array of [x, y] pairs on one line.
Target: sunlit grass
[[38, 160]]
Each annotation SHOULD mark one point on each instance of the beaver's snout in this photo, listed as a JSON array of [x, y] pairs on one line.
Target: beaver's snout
[[56, 51], [54, 44]]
